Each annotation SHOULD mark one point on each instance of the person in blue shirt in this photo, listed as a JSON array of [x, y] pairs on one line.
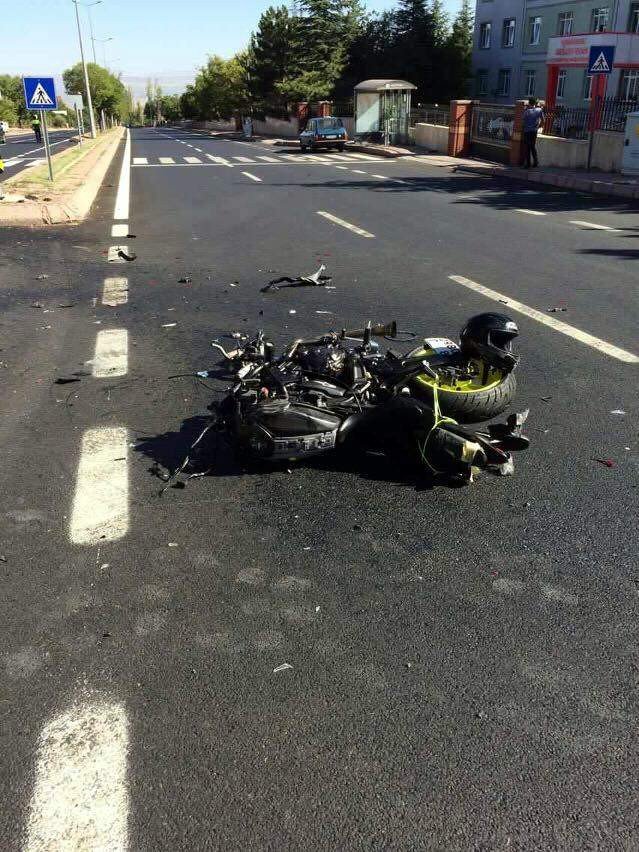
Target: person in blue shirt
[[533, 117]]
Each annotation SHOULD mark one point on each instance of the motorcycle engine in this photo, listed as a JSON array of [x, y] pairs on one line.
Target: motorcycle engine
[[322, 360]]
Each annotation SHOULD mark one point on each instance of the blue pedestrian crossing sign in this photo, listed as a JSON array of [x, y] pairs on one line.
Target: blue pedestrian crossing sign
[[39, 93], [601, 58]]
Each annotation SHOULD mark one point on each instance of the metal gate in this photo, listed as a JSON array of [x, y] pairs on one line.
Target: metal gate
[[492, 130]]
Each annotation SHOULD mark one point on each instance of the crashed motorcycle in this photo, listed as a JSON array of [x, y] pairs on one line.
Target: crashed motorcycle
[[338, 392]]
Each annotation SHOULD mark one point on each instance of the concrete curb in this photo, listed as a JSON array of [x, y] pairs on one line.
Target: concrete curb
[[574, 182], [73, 209]]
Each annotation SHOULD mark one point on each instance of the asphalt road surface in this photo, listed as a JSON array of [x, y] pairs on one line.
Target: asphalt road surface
[[22, 152], [463, 662]]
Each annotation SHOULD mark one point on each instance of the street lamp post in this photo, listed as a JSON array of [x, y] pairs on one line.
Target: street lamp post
[[86, 73], [87, 6]]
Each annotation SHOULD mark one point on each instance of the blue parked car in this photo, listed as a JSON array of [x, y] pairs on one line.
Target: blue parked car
[[326, 132]]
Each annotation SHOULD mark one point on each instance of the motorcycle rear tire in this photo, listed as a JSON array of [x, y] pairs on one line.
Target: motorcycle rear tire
[[471, 406]]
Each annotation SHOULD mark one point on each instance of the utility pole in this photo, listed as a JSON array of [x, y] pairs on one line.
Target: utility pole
[[86, 74]]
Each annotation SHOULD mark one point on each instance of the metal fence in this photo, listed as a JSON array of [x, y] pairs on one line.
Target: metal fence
[[430, 114], [343, 108], [566, 122], [492, 124], [614, 112]]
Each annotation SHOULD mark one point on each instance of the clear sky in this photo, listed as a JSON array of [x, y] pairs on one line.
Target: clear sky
[[163, 39]]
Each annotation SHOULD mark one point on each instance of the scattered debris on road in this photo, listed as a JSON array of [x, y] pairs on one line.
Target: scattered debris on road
[[282, 668], [605, 462], [41, 277], [317, 279], [185, 280], [129, 256], [169, 325], [618, 411]]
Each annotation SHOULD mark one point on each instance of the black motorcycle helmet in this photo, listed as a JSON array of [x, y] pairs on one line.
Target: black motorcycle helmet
[[490, 337]]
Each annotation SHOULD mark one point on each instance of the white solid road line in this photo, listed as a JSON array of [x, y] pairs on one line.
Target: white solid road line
[[529, 212], [111, 353], [121, 209], [101, 502], [192, 160], [80, 798], [119, 230], [355, 171], [253, 177], [344, 168], [360, 231], [137, 161], [551, 322], [115, 292], [593, 227], [166, 159]]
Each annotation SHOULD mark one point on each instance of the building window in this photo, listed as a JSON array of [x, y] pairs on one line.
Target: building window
[[530, 84], [599, 21], [633, 21], [534, 30], [482, 82], [503, 82], [484, 36], [629, 85], [508, 33], [561, 84], [564, 23], [587, 87]]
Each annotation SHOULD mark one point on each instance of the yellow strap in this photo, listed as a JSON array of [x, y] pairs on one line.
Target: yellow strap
[[438, 420]]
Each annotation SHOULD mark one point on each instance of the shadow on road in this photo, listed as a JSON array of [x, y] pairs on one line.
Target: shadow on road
[[495, 193], [215, 456], [620, 254]]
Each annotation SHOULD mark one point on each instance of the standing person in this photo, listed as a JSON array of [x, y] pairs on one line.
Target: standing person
[[3, 132], [533, 116], [35, 126]]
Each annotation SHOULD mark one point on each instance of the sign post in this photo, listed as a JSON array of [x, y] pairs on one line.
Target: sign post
[[39, 95], [600, 64]]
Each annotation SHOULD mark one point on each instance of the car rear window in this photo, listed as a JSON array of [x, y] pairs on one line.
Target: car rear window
[[329, 123]]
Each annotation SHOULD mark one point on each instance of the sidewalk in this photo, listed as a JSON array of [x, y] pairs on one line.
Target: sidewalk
[[602, 183]]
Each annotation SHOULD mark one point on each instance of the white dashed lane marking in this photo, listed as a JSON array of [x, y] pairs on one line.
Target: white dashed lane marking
[[244, 159], [101, 502], [121, 208], [344, 224], [529, 212], [139, 161], [551, 322], [119, 230], [192, 160], [166, 160], [80, 798], [113, 254], [252, 177], [115, 292], [111, 353], [591, 226]]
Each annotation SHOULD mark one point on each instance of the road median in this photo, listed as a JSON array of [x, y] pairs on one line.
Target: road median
[[32, 200]]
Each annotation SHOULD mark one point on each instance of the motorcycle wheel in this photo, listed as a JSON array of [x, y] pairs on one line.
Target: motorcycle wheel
[[471, 404]]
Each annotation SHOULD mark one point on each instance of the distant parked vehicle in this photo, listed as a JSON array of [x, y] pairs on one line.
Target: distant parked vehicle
[[323, 132]]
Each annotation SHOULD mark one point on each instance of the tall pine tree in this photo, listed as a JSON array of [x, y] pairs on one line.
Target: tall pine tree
[[273, 53]]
